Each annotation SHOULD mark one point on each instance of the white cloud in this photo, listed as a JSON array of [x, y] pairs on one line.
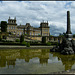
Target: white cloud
[[36, 11]]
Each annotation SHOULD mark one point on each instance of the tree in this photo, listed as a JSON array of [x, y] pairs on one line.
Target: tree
[[44, 39], [74, 35], [3, 26], [21, 38]]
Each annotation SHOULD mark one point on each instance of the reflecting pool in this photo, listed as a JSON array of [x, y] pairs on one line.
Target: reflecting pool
[[34, 61]]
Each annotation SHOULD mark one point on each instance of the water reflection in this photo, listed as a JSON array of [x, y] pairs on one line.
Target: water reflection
[[44, 56], [8, 57], [67, 60]]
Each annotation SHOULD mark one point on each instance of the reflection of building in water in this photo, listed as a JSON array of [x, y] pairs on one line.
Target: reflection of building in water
[[67, 60], [2, 61], [10, 56], [11, 62], [43, 60]]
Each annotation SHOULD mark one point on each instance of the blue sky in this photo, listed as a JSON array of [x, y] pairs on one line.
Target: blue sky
[[35, 12]]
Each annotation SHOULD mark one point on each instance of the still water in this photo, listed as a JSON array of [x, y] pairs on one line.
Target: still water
[[37, 61]]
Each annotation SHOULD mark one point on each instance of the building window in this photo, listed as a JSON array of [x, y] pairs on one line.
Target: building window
[[46, 30], [20, 33], [30, 33], [9, 27]]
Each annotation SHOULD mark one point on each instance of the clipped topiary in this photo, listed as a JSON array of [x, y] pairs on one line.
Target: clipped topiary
[[28, 44], [21, 38], [44, 39]]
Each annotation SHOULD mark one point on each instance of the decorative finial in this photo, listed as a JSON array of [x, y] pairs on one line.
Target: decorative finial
[[43, 20], [15, 18], [9, 17]]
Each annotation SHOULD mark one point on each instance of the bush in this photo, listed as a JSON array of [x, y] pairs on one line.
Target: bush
[[48, 44], [0, 38], [44, 39], [28, 45], [21, 38], [54, 43], [9, 43], [23, 43], [17, 40], [3, 40]]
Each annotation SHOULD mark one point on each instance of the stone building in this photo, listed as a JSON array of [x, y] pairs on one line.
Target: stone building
[[27, 29]]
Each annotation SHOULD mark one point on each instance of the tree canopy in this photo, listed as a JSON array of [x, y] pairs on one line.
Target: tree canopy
[[3, 26]]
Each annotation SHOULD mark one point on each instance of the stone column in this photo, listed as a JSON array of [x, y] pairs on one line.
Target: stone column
[[68, 23], [68, 32]]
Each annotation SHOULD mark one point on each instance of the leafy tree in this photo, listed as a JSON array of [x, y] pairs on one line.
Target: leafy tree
[[3, 26], [21, 38]]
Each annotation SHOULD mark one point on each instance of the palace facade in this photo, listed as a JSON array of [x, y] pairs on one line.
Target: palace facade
[[27, 29]]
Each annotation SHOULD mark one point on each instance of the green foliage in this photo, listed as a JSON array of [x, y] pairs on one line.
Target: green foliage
[[3, 26], [54, 43], [74, 35], [44, 39], [50, 35], [0, 38], [48, 44], [9, 43], [39, 35], [10, 33], [17, 40], [25, 34], [33, 42], [4, 37], [23, 43], [28, 44], [21, 38], [61, 35]]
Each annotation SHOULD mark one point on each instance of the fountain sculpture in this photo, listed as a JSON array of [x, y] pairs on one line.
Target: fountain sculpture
[[67, 46]]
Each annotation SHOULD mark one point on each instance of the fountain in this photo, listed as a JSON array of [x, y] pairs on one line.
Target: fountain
[[67, 46]]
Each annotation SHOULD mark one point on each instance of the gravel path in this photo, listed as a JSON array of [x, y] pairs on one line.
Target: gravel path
[[24, 47]]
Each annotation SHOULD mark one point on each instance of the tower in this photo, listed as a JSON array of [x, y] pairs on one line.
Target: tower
[[12, 26], [44, 28], [12, 21]]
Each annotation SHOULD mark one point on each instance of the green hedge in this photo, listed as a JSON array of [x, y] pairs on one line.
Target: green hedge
[[23, 43], [48, 43], [17, 40], [54, 43], [9, 43]]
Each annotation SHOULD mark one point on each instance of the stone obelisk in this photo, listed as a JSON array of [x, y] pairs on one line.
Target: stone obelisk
[[68, 32]]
